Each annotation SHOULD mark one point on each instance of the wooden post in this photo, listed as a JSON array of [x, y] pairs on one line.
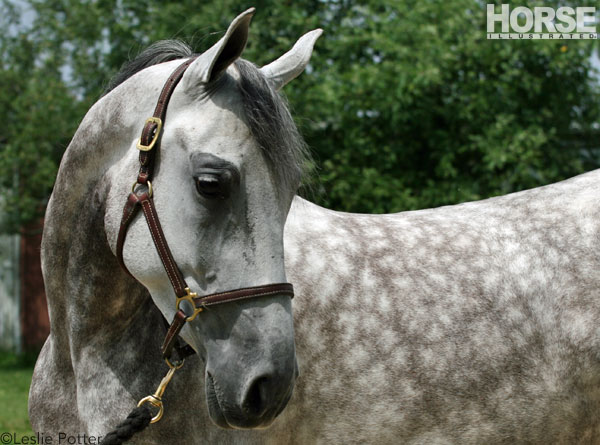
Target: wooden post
[[35, 325]]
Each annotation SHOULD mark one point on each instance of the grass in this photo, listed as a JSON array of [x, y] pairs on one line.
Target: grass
[[15, 378]]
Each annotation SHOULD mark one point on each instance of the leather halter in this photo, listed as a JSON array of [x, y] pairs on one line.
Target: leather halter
[[148, 145]]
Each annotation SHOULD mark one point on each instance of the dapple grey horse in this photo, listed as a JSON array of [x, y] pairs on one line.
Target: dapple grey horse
[[470, 324]]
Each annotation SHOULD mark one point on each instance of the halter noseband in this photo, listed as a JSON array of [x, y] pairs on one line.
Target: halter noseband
[[148, 145]]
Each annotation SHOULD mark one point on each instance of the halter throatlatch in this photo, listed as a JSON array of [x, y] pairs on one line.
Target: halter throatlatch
[[148, 145]]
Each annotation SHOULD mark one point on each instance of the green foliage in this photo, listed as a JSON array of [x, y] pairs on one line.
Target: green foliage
[[405, 103], [39, 115], [412, 107]]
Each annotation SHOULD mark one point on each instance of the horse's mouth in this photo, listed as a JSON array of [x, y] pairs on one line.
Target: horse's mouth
[[214, 405]]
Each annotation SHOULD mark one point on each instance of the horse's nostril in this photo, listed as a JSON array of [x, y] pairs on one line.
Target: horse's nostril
[[256, 400]]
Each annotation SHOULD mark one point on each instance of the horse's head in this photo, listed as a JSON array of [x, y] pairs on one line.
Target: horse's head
[[230, 162]]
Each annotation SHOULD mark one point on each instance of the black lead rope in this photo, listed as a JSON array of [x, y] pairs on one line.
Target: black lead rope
[[136, 421]]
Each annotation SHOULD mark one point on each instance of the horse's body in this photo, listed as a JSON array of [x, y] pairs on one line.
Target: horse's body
[[473, 323]]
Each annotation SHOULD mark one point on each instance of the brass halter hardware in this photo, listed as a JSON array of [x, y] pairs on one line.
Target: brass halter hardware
[[189, 297], [150, 146], [149, 188], [156, 398]]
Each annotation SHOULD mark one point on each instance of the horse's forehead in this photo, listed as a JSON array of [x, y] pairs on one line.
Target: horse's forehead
[[215, 121], [227, 138], [214, 101]]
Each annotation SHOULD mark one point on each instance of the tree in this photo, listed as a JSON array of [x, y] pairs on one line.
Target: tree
[[405, 104], [38, 118]]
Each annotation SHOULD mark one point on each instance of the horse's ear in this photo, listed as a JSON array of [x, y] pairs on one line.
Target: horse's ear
[[215, 60], [292, 63]]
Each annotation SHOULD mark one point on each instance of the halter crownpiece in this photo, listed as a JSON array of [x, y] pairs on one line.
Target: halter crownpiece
[[148, 145]]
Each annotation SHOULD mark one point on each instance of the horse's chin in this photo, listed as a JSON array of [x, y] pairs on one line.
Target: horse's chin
[[224, 418]]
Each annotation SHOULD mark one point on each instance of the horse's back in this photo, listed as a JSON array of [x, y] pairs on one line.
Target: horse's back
[[473, 323]]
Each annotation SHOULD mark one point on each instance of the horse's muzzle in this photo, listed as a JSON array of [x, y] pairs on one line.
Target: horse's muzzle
[[260, 403]]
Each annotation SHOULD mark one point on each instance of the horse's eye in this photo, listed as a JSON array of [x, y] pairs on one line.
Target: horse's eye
[[212, 186]]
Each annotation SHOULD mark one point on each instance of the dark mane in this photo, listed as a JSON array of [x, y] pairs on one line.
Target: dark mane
[[159, 52], [265, 109]]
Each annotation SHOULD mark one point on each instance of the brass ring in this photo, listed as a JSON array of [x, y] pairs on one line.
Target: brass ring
[[149, 188], [157, 403], [178, 364]]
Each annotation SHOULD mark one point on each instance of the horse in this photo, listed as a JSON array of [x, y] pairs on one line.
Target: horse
[[473, 323]]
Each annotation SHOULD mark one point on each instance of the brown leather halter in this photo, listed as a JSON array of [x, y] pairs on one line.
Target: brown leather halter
[[148, 145]]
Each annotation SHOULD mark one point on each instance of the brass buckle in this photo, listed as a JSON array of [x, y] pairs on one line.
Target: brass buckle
[[158, 122], [190, 298]]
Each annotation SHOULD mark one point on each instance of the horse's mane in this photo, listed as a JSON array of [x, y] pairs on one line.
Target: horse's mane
[[266, 110], [159, 52]]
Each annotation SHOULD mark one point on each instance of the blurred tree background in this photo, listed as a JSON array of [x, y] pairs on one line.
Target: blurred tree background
[[405, 103]]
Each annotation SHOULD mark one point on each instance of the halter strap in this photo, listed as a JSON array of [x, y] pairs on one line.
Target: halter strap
[[153, 126], [148, 145]]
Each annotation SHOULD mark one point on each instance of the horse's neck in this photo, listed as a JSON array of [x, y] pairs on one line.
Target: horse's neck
[[87, 291]]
